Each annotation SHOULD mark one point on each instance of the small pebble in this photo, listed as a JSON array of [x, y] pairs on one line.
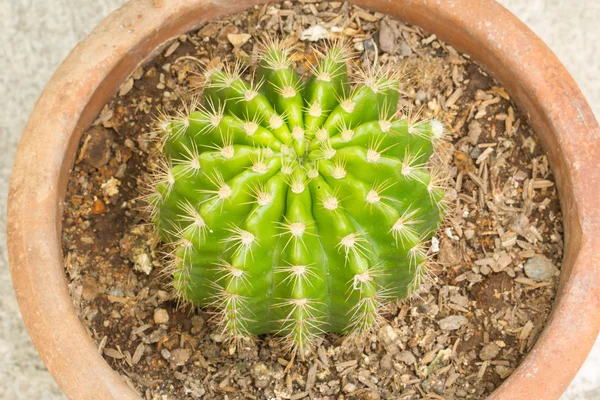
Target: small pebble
[[261, 375], [386, 363], [453, 322], [540, 269], [162, 296], [476, 152], [142, 263], [462, 301], [349, 388], [90, 289], [387, 334], [117, 292], [198, 323], [129, 143], [180, 356], [421, 96], [238, 40], [165, 353], [120, 174], [405, 49], [110, 187], [216, 337], [96, 147], [406, 357], [489, 351], [161, 316], [434, 384], [98, 207], [209, 30], [155, 336], [473, 277], [387, 37], [225, 32], [503, 371]]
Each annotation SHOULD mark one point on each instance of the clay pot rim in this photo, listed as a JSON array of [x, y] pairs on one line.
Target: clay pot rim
[[79, 88]]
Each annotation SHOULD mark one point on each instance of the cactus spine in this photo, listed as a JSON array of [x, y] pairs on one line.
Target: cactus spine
[[297, 208]]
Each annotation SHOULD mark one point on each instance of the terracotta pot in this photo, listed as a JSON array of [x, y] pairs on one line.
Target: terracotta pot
[[93, 72]]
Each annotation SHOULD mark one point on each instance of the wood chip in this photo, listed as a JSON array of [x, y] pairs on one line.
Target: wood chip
[[525, 281], [526, 330], [509, 239], [117, 299], [453, 98], [137, 355], [482, 369], [126, 87], [298, 396], [343, 365], [311, 376], [141, 329], [171, 49], [542, 183], [323, 356], [112, 353], [483, 156], [367, 16]]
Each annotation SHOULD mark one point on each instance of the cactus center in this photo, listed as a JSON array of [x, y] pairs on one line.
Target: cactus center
[[228, 152], [298, 133], [195, 163], [288, 92], [276, 122], [348, 105], [330, 203], [324, 77], [216, 119], [224, 191], [246, 238], [373, 156], [347, 134], [250, 94], [385, 125], [250, 128], [373, 197], [297, 229], [321, 135], [315, 110]]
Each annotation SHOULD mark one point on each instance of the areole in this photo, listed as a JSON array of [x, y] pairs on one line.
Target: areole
[[94, 71]]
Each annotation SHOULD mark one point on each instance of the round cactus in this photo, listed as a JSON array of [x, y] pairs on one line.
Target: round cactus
[[297, 207]]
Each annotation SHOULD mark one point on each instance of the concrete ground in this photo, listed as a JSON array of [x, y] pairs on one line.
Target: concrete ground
[[38, 34]]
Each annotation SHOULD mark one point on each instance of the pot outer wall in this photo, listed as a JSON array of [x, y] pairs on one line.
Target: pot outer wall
[[93, 72]]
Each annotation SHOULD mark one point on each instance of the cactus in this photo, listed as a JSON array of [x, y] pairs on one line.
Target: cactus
[[297, 207]]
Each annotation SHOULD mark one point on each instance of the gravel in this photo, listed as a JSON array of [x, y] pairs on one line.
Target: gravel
[[540, 269], [161, 316], [453, 322]]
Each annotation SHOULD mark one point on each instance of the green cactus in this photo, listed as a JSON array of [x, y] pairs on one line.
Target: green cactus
[[297, 208]]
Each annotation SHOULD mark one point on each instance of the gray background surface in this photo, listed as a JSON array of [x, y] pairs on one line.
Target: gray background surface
[[38, 34]]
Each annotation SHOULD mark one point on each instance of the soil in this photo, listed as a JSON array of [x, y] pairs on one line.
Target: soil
[[460, 339]]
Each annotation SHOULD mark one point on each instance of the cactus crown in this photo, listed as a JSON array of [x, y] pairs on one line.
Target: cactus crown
[[297, 207]]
